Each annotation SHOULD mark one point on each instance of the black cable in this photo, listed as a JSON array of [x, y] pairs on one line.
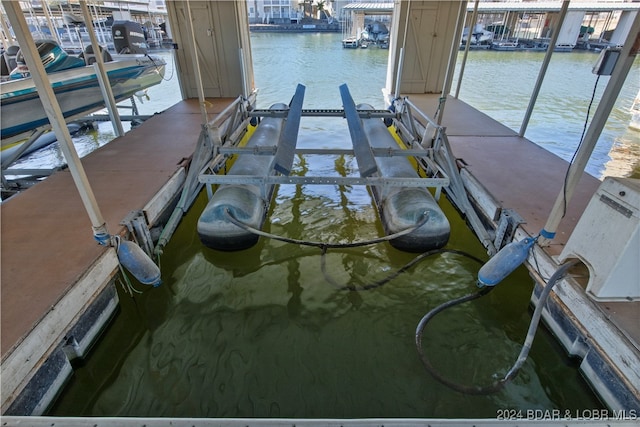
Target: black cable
[[420, 328], [422, 221], [584, 130], [526, 346], [153, 61], [324, 246]]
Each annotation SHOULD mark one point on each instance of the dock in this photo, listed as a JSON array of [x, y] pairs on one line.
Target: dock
[[52, 268], [48, 250], [514, 173]]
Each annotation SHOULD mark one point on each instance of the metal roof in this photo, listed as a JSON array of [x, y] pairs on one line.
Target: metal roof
[[515, 6], [370, 7], [553, 6]]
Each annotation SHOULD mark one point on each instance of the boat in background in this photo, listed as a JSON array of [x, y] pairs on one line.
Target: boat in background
[[77, 90], [74, 82], [480, 38]]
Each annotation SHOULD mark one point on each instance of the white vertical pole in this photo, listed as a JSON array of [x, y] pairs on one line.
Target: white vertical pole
[[396, 95], [243, 70], [196, 64], [472, 25], [6, 40], [47, 15], [543, 68], [101, 73], [611, 92], [407, 7], [54, 113], [453, 56]]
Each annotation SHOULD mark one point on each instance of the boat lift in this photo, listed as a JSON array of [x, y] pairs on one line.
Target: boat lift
[[424, 139]]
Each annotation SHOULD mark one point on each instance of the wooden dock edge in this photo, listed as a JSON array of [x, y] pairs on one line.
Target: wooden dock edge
[[71, 327], [27, 382], [608, 358]]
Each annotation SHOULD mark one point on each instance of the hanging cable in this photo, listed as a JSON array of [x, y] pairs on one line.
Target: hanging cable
[[325, 246], [173, 62], [422, 220], [584, 130], [526, 346]]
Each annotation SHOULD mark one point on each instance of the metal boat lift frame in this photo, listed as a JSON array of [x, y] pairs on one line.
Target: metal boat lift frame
[[424, 139], [209, 174]]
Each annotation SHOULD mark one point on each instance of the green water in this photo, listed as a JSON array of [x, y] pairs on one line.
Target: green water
[[265, 333]]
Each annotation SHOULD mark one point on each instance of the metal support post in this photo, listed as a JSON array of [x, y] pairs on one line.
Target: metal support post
[[54, 113], [474, 17], [52, 27], [101, 73], [196, 65], [611, 92], [453, 56], [543, 68]]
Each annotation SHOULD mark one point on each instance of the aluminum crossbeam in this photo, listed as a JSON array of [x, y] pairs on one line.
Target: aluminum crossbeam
[[269, 150], [364, 114], [323, 180]]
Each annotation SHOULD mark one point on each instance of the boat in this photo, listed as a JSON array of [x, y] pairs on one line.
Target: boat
[[76, 87], [505, 45], [480, 38], [351, 43], [375, 33], [564, 47]]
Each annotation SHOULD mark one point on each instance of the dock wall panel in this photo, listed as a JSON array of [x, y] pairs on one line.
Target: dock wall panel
[[609, 360], [26, 380], [156, 209]]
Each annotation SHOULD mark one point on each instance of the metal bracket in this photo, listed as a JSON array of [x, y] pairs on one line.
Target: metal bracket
[[136, 223], [507, 224]]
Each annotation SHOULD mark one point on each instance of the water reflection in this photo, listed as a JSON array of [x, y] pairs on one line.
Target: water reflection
[[560, 112], [624, 157]]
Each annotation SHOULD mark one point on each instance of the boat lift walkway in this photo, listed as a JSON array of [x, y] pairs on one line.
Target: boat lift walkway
[[47, 241], [47, 245]]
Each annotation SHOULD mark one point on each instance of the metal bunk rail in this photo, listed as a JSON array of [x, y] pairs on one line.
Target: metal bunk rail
[[286, 149], [226, 129], [361, 145], [427, 134]]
